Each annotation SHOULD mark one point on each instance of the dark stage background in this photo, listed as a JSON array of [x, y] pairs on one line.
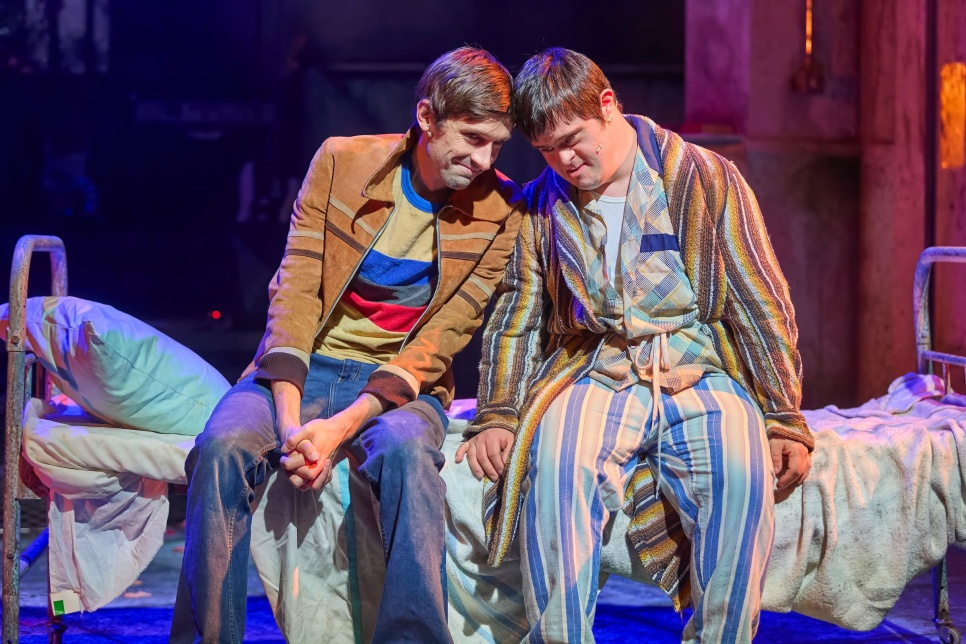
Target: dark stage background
[[164, 148], [163, 140]]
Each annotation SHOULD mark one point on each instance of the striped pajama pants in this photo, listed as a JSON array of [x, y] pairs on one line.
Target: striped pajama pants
[[715, 470]]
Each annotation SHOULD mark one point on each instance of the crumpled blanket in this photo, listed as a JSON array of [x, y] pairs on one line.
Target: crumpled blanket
[[302, 543], [886, 495]]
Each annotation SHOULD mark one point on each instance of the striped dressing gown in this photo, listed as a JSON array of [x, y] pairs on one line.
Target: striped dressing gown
[[540, 341], [593, 435]]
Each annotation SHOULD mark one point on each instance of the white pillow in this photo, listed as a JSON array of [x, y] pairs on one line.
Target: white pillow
[[119, 368]]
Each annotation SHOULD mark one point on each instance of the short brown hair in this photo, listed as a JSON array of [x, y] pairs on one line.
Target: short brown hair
[[554, 86], [467, 82]]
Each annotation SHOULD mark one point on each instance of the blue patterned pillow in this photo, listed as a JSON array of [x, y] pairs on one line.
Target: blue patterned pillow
[[119, 368]]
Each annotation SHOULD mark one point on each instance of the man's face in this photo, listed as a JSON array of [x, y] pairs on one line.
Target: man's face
[[460, 149], [572, 148]]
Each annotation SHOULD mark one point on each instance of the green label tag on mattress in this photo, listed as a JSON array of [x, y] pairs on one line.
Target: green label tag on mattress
[[58, 607]]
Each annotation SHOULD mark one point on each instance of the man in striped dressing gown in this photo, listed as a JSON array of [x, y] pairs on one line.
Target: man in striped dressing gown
[[641, 358]]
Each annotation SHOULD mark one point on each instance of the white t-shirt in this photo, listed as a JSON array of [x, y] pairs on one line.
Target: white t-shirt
[[612, 211]]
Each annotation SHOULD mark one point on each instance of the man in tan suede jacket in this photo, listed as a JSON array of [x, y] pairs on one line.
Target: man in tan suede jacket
[[396, 245]]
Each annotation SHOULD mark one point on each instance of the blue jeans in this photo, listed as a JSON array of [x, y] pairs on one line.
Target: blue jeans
[[398, 452]]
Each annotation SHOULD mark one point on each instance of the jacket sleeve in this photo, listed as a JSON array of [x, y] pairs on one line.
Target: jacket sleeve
[[513, 340], [759, 309], [430, 353], [296, 308]]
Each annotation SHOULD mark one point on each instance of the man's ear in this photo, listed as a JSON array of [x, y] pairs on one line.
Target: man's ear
[[424, 116], [608, 104]]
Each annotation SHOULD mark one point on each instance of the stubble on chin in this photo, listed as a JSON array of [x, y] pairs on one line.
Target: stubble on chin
[[455, 181]]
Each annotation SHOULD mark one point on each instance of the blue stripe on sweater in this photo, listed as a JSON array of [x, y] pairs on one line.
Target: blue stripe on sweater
[[391, 271], [415, 295], [410, 191]]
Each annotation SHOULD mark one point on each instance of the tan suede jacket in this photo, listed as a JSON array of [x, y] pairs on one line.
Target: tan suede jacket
[[345, 201]]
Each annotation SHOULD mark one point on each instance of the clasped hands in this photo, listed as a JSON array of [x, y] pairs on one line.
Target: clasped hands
[[309, 451]]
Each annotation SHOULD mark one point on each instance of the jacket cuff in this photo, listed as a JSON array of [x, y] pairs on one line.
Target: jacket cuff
[[282, 366], [482, 424], [389, 389], [794, 432]]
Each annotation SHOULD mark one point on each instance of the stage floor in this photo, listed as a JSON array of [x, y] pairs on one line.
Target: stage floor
[[626, 611]]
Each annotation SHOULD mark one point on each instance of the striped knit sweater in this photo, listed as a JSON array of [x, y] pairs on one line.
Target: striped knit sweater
[[534, 346], [393, 285]]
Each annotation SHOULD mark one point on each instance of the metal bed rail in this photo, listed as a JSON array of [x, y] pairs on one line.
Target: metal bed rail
[[17, 385], [926, 358], [920, 305]]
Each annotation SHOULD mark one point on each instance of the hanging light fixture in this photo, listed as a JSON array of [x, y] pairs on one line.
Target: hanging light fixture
[[952, 115], [808, 79]]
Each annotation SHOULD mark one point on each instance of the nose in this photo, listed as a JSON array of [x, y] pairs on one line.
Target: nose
[[484, 156], [566, 156]]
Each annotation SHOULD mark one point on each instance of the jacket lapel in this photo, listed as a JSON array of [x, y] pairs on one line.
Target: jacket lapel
[[567, 238], [693, 222]]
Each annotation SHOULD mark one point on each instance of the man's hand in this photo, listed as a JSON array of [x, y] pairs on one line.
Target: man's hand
[[310, 450], [486, 453], [791, 461], [288, 403]]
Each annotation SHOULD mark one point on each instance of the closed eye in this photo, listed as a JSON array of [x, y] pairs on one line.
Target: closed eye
[[566, 144]]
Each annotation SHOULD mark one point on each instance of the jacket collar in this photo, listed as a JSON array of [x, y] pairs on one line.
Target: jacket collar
[[379, 185], [481, 200], [647, 131]]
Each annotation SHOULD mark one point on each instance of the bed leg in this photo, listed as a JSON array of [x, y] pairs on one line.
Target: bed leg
[[11, 571], [948, 634], [55, 629]]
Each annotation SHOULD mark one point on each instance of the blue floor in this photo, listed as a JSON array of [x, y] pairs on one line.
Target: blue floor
[[661, 625], [626, 611], [145, 625], [613, 624]]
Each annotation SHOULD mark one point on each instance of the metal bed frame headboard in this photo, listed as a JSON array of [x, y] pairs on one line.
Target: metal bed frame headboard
[[926, 359], [19, 378], [925, 356]]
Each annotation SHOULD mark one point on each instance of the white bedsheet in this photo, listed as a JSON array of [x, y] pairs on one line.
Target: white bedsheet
[[108, 500]]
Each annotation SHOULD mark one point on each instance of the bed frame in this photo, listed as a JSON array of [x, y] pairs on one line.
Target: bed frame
[[928, 360], [25, 377]]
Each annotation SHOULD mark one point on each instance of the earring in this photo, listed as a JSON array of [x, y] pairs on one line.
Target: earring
[[608, 119], [429, 134], [597, 151]]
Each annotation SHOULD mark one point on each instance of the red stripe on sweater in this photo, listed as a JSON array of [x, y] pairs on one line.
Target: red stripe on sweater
[[389, 317]]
